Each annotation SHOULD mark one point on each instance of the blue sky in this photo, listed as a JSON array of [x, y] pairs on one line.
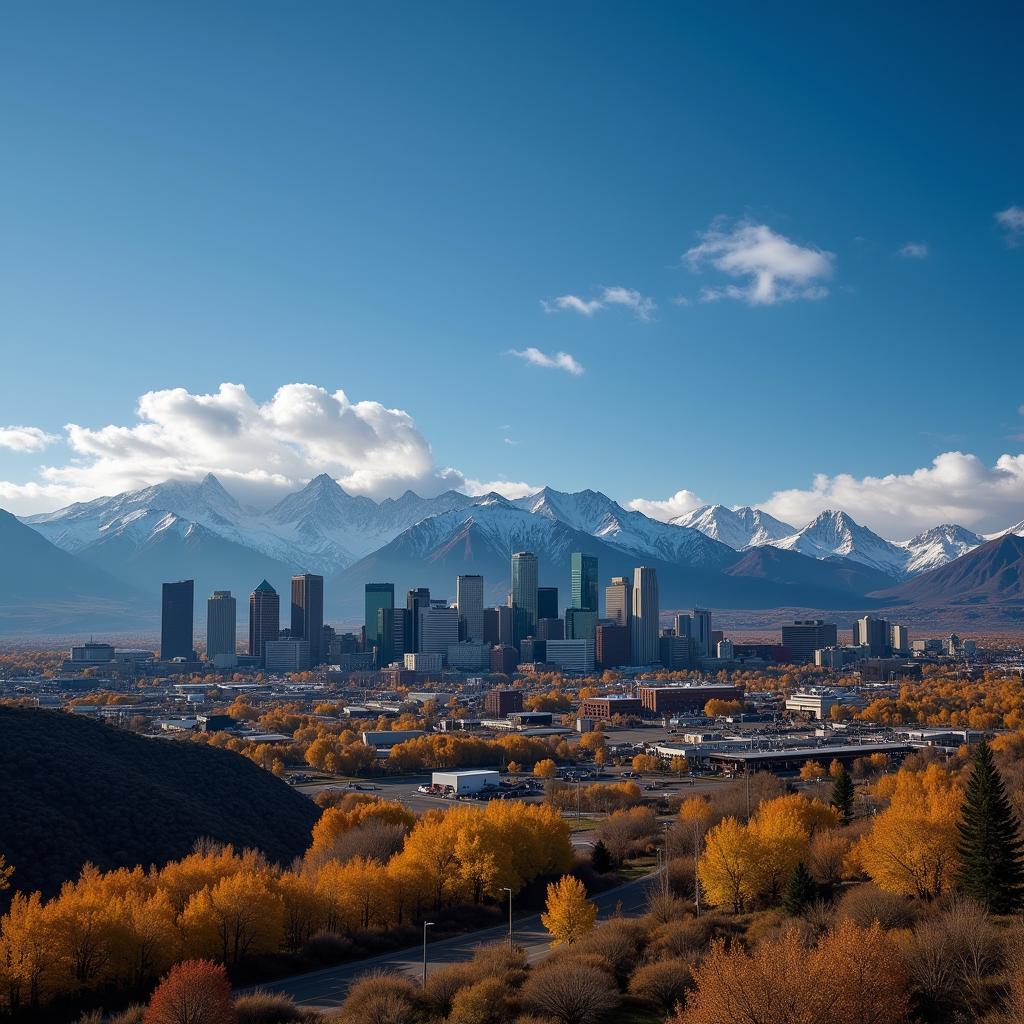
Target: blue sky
[[382, 198]]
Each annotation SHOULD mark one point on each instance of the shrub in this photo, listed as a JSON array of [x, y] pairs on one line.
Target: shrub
[[662, 983], [570, 992], [865, 904], [617, 943], [484, 1002], [192, 992], [380, 999], [267, 1008], [130, 1015]]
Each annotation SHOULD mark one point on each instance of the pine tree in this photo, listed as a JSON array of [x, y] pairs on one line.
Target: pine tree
[[600, 858], [991, 866], [842, 795], [801, 890]]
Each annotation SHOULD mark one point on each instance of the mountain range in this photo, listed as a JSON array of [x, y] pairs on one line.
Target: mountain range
[[115, 548]]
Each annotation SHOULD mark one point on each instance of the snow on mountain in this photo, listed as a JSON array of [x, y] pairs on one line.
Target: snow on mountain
[[206, 502], [1016, 531], [595, 513], [938, 546], [741, 528], [834, 534]]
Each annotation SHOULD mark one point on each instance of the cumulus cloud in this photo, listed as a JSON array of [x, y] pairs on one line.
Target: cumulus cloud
[[641, 305], [914, 251], [1012, 220], [558, 361], [510, 489], [669, 508], [956, 488], [772, 268], [26, 439], [259, 450]]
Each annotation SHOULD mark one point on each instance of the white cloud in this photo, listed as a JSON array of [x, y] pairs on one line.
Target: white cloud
[[773, 268], [669, 508], [1012, 219], [506, 488], [641, 305], [26, 439], [259, 450], [956, 488], [558, 361], [914, 251]]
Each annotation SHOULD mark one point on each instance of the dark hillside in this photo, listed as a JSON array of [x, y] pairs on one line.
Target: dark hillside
[[74, 790]]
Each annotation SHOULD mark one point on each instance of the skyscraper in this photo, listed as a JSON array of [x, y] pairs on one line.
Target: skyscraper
[[264, 619], [646, 612], [469, 596], [524, 595], [176, 620], [439, 627], [415, 600], [392, 634], [308, 613], [221, 619], [618, 601], [584, 581], [547, 602], [580, 624], [700, 632], [376, 596], [874, 634], [805, 636]]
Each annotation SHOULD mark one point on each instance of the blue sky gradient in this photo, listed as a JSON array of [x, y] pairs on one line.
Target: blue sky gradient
[[379, 197]]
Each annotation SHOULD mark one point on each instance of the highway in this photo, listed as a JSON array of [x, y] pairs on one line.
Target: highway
[[326, 988]]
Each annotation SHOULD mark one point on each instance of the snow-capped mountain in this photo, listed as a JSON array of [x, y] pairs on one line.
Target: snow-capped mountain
[[833, 534], [1016, 531], [740, 528], [320, 528], [77, 526], [594, 513], [938, 546]]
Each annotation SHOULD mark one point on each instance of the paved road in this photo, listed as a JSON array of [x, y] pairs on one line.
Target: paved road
[[325, 989]]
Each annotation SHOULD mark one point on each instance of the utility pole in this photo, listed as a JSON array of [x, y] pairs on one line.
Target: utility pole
[[578, 781], [426, 925], [747, 766], [505, 888]]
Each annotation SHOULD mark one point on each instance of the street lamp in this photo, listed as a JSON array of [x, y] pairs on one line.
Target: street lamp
[[505, 888], [426, 925]]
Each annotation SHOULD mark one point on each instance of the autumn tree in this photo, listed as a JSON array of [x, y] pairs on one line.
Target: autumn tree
[[194, 992], [911, 849], [569, 915], [990, 869], [546, 769], [643, 763], [812, 771]]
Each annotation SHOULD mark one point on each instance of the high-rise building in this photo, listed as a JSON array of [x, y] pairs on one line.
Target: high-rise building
[[684, 625], [439, 627], [289, 655], [308, 612], [376, 597], [524, 595], [584, 581], [700, 632], [646, 612], [618, 601], [550, 629], [264, 619], [805, 636], [580, 624], [674, 651], [612, 646], [469, 596], [392, 634], [900, 639], [491, 625], [416, 599], [176, 620], [505, 624], [221, 619], [874, 634], [547, 602]]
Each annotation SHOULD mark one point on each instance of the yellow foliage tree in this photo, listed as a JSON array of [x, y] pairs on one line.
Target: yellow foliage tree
[[546, 769], [569, 915]]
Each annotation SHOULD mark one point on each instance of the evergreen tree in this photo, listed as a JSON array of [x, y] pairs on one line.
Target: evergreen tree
[[600, 858], [991, 867], [801, 890], [842, 795]]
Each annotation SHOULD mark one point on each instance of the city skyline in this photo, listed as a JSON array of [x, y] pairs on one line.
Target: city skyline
[[812, 303]]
